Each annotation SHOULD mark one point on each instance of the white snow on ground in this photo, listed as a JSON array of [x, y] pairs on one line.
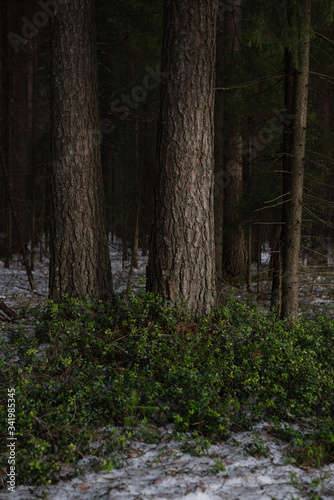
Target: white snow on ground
[[14, 283], [164, 471], [315, 285]]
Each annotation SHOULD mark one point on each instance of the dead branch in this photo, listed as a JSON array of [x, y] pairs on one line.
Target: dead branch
[[8, 312]]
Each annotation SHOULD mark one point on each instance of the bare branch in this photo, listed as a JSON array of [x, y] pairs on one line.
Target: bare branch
[[319, 35], [252, 82]]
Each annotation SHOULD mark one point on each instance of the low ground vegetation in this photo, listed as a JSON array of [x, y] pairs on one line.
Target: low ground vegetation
[[111, 372]]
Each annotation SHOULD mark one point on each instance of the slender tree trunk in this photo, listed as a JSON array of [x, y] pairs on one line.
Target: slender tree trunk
[[258, 266], [125, 197], [234, 252], [17, 221], [134, 256], [276, 289], [138, 165], [249, 260], [292, 229], [42, 225], [33, 64], [79, 264], [181, 264], [146, 174], [20, 154]]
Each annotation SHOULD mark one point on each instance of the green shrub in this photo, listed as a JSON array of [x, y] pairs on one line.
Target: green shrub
[[139, 360]]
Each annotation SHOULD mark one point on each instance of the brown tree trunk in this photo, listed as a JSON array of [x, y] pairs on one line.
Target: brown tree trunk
[[292, 229], [219, 154], [21, 142], [181, 264], [5, 212], [9, 313], [249, 260], [79, 263], [138, 165], [276, 289], [17, 221], [234, 251], [276, 265]]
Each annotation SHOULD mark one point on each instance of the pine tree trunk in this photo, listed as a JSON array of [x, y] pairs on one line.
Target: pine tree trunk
[[80, 264], [276, 265], [219, 154], [249, 260], [234, 244], [276, 288], [138, 156], [181, 264], [5, 213], [292, 229], [21, 142], [17, 221]]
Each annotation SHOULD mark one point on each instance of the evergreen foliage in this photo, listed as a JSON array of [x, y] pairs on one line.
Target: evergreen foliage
[[138, 362]]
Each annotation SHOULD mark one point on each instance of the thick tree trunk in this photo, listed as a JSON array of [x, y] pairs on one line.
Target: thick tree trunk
[[80, 264], [219, 154], [181, 263], [234, 244], [292, 229], [5, 233]]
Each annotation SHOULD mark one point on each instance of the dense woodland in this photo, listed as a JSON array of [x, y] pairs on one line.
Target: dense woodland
[[199, 134], [240, 92]]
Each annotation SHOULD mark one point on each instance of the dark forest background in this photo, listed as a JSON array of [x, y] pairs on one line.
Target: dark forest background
[[129, 52]]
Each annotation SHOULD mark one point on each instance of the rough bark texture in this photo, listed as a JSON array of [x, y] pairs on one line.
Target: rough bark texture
[[80, 264], [234, 244], [219, 153], [292, 229], [181, 264]]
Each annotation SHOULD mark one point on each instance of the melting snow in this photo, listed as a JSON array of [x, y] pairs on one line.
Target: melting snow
[[164, 471]]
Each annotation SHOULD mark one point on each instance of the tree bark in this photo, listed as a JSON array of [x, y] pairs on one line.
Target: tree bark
[[276, 264], [8, 312], [234, 244], [21, 140], [17, 221], [292, 229], [79, 263], [5, 99], [181, 264], [219, 154], [276, 288], [137, 193]]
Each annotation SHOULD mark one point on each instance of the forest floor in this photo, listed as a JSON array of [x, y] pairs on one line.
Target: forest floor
[[316, 282], [248, 466]]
